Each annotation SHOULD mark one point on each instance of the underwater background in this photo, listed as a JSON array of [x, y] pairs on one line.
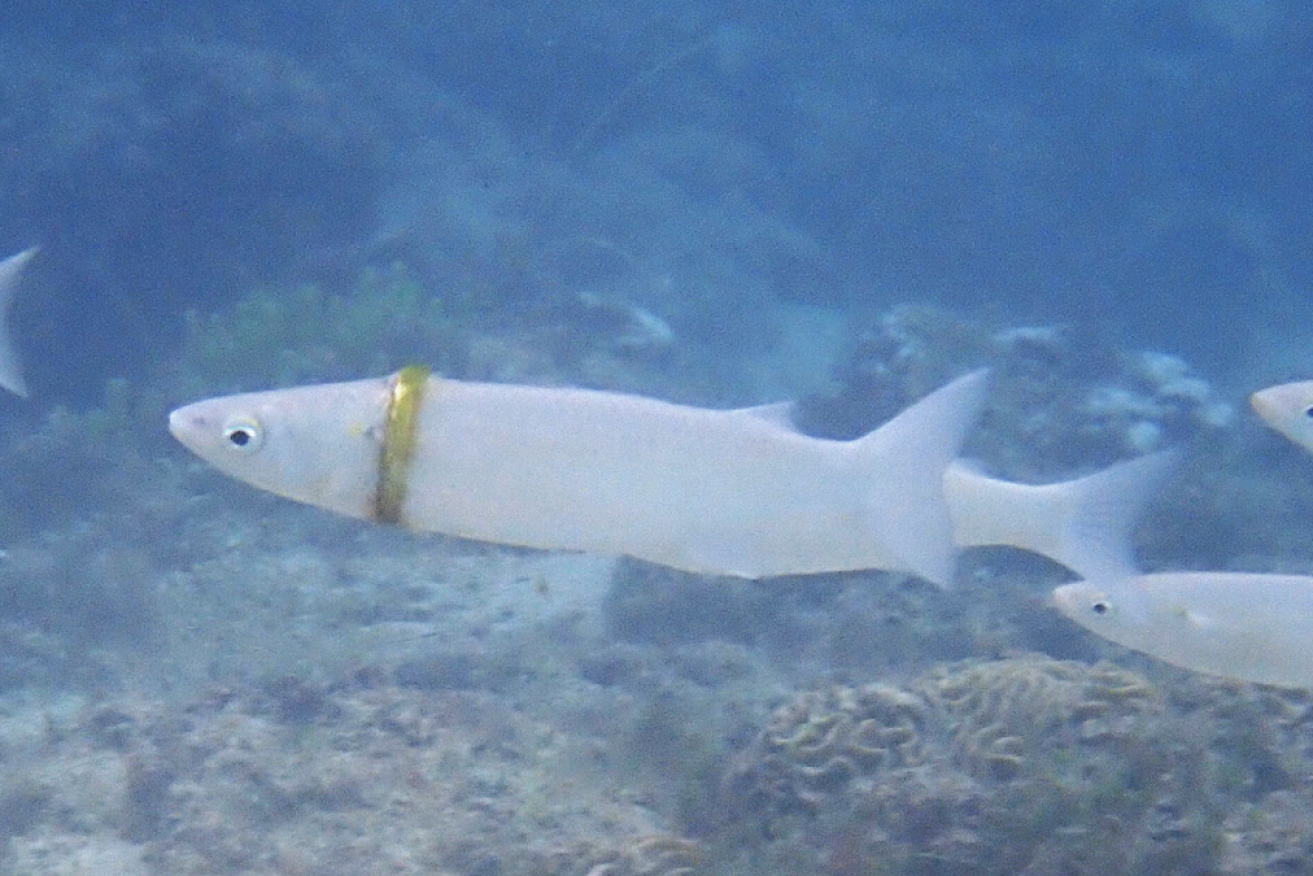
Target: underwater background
[[722, 204]]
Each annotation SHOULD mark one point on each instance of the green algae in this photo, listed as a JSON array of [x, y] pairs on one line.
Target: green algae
[[279, 337]]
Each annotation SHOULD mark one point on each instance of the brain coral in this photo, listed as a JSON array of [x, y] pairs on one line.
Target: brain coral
[[823, 739], [990, 717], [1026, 766], [998, 721], [658, 855], [1018, 765], [999, 713]]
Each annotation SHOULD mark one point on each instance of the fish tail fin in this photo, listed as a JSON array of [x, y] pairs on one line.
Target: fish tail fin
[[910, 454], [1103, 508], [11, 370], [1085, 524]]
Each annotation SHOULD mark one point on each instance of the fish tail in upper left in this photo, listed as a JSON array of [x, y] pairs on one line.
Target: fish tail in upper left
[[11, 370]]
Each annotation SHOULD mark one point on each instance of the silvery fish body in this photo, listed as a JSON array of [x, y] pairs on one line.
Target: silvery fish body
[[1239, 625]]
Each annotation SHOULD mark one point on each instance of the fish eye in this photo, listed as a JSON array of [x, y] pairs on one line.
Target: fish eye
[[1101, 606], [1308, 412], [243, 433]]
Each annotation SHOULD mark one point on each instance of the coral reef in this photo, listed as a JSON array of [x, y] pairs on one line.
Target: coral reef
[[998, 720], [823, 740], [653, 856], [1052, 404], [978, 767], [378, 700], [1007, 717], [1167, 399]]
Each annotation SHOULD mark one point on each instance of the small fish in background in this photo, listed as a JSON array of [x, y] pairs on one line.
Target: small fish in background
[[11, 371], [1238, 625], [724, 492], [1288, 408]]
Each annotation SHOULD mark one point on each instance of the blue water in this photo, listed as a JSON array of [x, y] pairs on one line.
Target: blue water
[[720, 203], [1141, 167]]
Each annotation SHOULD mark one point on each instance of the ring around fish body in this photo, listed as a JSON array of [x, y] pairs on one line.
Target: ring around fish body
[[399, 443]]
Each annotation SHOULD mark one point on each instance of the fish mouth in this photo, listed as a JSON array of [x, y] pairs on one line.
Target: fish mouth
[[1261, 404], [175, 424], [183, 424]]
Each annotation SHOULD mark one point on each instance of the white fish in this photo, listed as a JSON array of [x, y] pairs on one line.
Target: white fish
[[729, 492], [1238, 625], [11, 371], [1288, 409]]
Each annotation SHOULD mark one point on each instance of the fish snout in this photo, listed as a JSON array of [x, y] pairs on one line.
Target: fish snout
[[1263, 404], [176, 423], [185, 424]]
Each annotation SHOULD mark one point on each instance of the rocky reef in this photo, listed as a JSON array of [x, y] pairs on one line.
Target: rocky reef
[[291, 777], [1022, 765]]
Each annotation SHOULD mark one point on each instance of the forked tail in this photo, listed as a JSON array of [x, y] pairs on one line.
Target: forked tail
[[1085, 524]]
